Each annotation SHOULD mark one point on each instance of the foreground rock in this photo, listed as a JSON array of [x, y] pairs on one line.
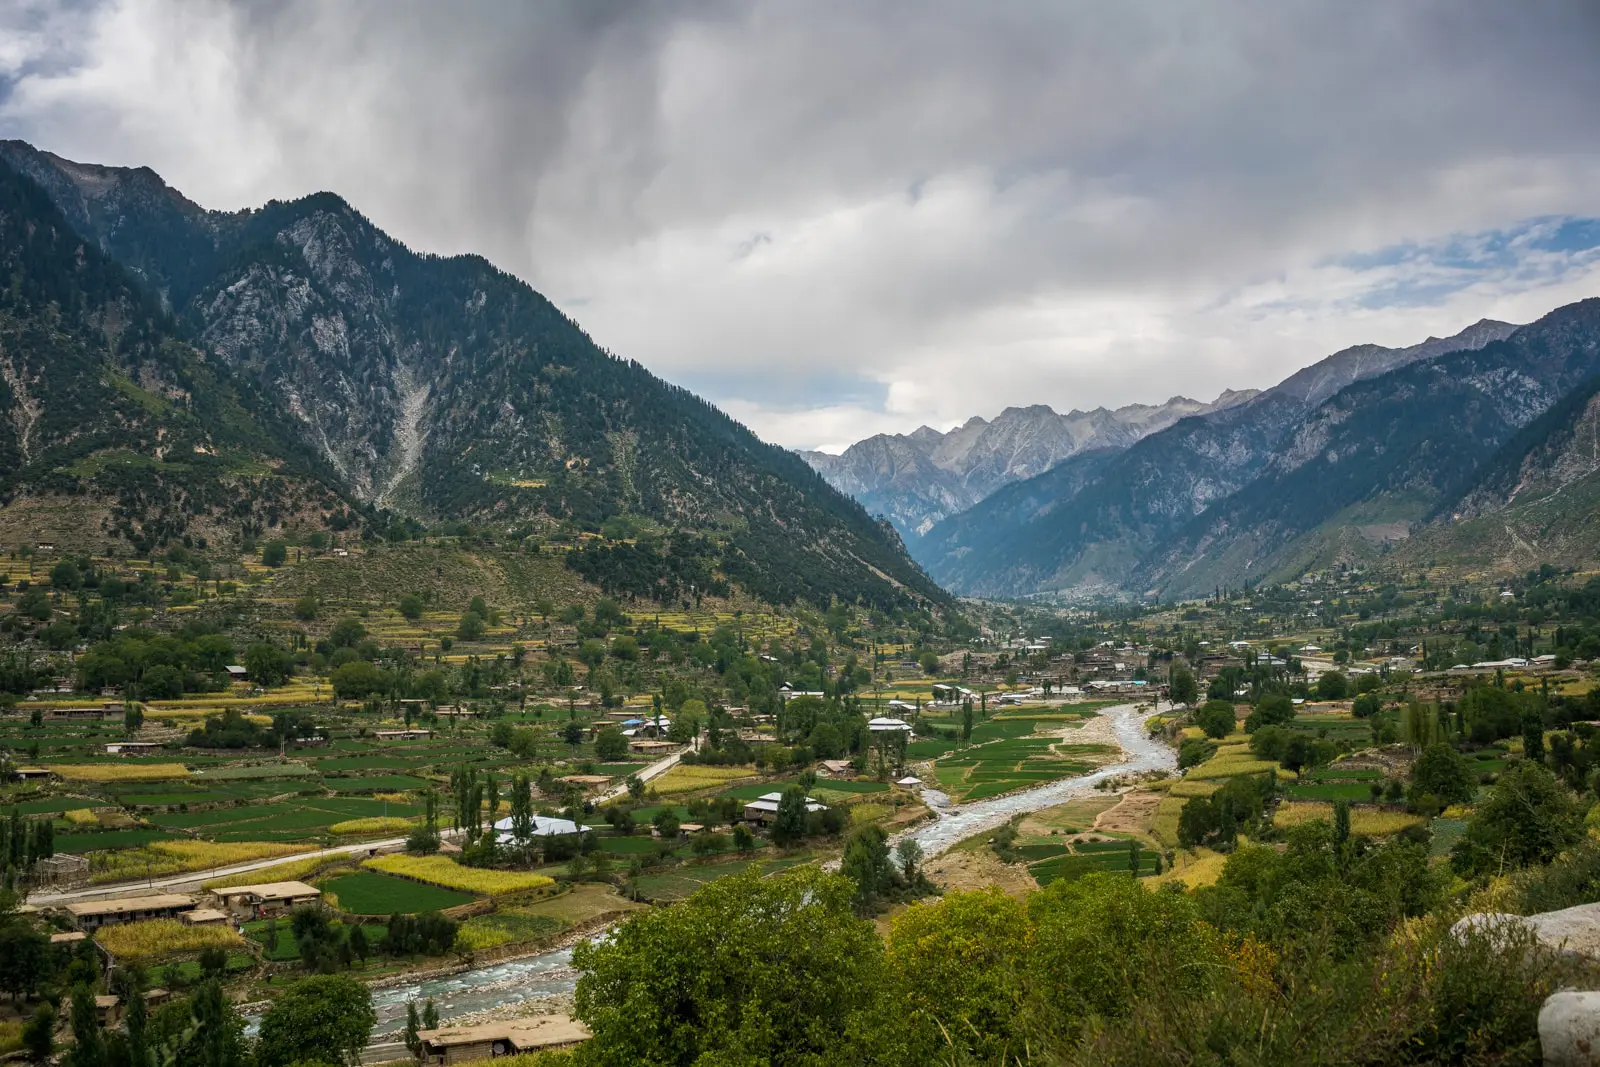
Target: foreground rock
[[1569, 1022]]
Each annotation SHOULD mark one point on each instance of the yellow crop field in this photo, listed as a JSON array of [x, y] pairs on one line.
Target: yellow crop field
[[102, 773], [1165, 825], [685, 779], [156, 938], [446, 872], [179, 857], [1204, 869], [1229, 768], [1185, 788], [290, 871], [81, 817], [1365, 821], [374, 825]]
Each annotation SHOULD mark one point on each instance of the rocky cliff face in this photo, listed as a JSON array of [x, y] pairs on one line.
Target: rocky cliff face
[[443, 387], [920, 478]]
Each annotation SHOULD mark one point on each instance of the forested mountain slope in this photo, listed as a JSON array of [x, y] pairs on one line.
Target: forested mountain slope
[[1383, 453], [1536, 501], [445, 388], [1099, 534], [99, 398]]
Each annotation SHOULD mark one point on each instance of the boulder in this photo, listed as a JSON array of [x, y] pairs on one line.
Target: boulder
[[1569, 1030], [1575, 930]]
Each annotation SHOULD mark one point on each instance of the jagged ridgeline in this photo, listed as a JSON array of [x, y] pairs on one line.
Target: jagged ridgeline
[[443, 388], [103, 406]]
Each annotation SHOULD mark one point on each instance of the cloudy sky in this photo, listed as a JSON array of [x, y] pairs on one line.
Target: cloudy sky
[[840, 218]]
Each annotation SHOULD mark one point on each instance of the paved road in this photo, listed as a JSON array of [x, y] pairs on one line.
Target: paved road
[[655, 770], [194, 878]]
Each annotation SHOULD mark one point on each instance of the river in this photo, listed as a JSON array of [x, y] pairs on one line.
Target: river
[[550, 975], [1127, 725]]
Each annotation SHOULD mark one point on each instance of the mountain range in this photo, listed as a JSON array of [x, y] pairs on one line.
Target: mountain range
[[917, 479], [171, 371], [1465, 447]]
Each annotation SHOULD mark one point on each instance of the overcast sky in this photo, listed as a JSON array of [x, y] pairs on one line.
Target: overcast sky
[[840, 218]]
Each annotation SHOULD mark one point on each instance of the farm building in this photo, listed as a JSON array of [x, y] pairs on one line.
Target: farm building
[[237, 673], [764, 809], [61, 869], [108, 1009], [93, 914], [77, 714], [837, 768], [267, 899], [944, 693], [134, 748], [33, 774], [404, 735], [652, 748], [545, 826], [204, 917], [888, 726], [464, 1044]]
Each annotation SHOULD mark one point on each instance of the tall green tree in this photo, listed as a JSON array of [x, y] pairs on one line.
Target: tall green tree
[[327, 1017], [749, 970]]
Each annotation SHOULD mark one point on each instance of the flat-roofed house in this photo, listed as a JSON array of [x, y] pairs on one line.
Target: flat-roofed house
[[403, 735], [267, 899], [93, 914], [464, 1044], [204, 917], [108, 1009], [764, 809]]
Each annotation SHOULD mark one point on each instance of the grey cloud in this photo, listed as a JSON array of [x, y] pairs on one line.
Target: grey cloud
[[1059, 194]]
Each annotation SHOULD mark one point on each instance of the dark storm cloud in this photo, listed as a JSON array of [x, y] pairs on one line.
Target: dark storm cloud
[[1075, 203]]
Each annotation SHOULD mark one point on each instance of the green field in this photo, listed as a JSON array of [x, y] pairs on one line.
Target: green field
[[371, 893]]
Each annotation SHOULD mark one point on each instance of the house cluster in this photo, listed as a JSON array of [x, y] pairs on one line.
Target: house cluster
[[1515, 663], [218, 906]]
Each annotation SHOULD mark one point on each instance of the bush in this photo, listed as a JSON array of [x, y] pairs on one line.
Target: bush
[[274, 554], [1216, 718]]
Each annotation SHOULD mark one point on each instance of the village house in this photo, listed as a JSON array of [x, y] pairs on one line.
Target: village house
[[90, 915], [267, 899], [204, 917], [764, 809], [403, 735], [464, 1044], [134, 748]]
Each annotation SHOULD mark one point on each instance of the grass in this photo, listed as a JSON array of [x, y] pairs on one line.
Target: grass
[[505, 928], [1329, 791], [155, 938], [259, 770], [445, 872], [368, 893], [1370, 822], [682, 882], [101, 773]]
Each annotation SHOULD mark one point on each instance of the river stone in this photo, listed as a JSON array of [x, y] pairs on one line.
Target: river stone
[[1569, 1029], [1575, 930]]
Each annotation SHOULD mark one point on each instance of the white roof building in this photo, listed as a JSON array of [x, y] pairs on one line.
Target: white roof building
[[888, 726], [545, 826], [768, 802]]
